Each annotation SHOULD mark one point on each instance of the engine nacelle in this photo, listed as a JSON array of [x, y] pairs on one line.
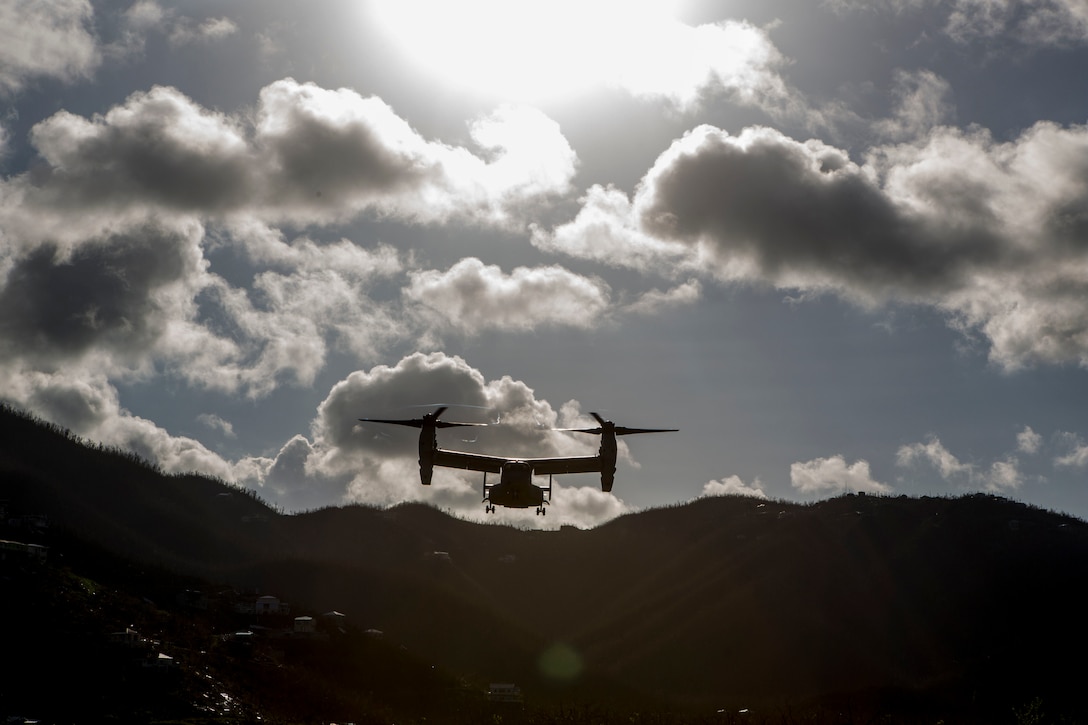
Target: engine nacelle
[[428, 442], [607, 479], [608, 453]]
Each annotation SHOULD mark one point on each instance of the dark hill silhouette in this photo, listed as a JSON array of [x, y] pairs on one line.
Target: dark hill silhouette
[[969, 605]]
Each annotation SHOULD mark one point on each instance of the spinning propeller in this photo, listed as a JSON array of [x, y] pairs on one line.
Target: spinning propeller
[[429, 419], [607, 426]]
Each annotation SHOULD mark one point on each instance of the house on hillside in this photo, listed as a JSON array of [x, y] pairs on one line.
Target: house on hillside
[[269, 604], [18, 551], [158, 661], [334, 622], [129, 638], [305, 625], [504, 692], [34, 523], [132, 639]]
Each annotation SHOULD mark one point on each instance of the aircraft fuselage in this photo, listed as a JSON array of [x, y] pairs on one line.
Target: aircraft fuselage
[[515, 488]]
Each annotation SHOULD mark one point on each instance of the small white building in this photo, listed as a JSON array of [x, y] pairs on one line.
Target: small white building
[[305, 625], [159, 661], [129, 638], [18, 550], [334, 620]]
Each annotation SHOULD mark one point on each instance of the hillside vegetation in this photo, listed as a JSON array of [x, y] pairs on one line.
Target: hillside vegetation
[[968, 609]]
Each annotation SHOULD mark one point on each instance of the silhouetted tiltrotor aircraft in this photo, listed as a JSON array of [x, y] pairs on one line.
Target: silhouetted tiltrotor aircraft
[[515, 488]]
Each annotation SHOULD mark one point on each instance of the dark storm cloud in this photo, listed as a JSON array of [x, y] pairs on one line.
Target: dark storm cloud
[[306, 155], [104, 294], [158, 148], [787, 209], [336, 145], [310, 155], [332, 154], [386, 392], [988, 233], [79, 405]]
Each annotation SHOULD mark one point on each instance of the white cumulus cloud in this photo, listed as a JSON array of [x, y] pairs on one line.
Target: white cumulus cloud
[[347, 460], [472, 296], [734, 486], [46, 38], [1028, 441], [1002, 475], [822, 475]]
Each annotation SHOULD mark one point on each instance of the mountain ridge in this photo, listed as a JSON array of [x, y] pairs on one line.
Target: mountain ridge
[[720, 602]]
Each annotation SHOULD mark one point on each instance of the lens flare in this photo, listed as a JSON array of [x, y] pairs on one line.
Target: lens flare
[[561, 662]]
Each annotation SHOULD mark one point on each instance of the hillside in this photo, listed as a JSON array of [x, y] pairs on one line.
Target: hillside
[[968, 606]]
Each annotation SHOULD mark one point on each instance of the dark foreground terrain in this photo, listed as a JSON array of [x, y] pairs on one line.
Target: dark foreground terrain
[[143, 606]]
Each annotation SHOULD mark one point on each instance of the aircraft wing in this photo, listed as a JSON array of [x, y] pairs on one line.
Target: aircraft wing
[[570, 464], [494, 464], [469, 461]]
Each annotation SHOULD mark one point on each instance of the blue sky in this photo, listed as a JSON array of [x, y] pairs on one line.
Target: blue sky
[[840, 245]]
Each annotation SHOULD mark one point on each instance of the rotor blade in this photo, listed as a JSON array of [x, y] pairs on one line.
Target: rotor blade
[[594, 431], [414, 423], [619, 429], [420, 422], [410, 422]]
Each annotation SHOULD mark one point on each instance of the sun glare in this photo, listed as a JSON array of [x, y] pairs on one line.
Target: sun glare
[[531, 51]]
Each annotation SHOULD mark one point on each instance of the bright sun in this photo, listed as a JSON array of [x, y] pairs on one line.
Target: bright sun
[[537, 51]]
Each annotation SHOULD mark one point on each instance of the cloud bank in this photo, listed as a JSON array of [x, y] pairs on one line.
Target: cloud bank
[[106, 273], [310, 156], [986, 232]]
